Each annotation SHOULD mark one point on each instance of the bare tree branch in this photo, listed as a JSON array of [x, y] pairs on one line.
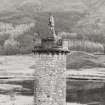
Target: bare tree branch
[[93, 5]]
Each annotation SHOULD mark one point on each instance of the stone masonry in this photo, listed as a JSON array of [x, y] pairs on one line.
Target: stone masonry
[[50, 79]]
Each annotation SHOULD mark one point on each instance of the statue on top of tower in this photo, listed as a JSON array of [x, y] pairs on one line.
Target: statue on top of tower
[[52, 25], [51, 20]]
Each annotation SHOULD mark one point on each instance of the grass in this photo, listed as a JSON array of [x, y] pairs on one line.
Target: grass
[[78, 59]]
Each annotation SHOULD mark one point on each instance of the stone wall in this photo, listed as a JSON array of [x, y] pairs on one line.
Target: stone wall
[[50, 80]]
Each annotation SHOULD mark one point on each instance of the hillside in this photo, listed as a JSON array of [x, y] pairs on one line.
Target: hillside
[[13, 9], [82, 60], [93, 24], [42, 5]]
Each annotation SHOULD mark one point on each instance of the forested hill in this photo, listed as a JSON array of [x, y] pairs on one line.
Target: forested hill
[[22, 28], [21, 20]]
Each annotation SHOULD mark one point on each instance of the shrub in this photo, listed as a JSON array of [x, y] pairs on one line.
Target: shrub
[[11, 46], [85, 45]]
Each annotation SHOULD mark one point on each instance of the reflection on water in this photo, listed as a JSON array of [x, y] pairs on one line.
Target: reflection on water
[[16, 92], [78, 91], [17, 100], [91, 92]]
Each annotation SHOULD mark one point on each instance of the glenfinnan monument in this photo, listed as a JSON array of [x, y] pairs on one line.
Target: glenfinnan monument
[[50, 68]]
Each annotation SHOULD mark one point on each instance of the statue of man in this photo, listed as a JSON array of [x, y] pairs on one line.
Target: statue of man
[[51, 21], [52, 24]]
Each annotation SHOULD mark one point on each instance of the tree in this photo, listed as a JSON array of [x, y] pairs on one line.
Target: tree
[[93, 5], [11, 46], [3, 38]]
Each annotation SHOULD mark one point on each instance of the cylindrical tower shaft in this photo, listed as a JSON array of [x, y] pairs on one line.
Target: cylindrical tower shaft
[[50, 79]]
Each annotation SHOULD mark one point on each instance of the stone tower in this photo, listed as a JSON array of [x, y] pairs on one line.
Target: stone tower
[[50, 68]]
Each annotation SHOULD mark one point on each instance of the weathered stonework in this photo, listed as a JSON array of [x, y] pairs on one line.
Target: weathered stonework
[[50, 79]]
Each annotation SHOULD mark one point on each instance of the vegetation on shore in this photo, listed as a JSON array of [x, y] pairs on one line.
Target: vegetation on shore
[[17, 36]]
